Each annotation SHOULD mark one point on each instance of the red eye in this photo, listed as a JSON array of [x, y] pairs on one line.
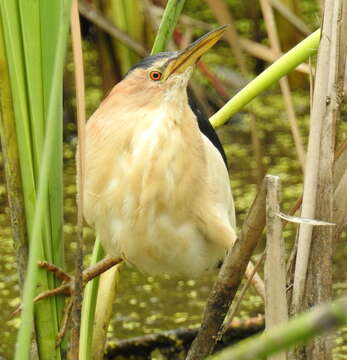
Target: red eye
[[155, 75]]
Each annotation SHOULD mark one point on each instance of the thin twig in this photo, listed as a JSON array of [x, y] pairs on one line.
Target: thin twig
[[216, 83], [263, 52], [65, 321], [284, 84], [290, 16], [224, 16], [236, 306]]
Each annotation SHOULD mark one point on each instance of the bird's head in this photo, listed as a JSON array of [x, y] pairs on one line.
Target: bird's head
[[165, 76]]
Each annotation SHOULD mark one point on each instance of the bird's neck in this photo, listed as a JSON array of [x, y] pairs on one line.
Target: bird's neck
[[165, 144]]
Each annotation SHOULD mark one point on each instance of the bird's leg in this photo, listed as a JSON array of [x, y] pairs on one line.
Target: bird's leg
[[67, 287], [100, 267], [68, 282]]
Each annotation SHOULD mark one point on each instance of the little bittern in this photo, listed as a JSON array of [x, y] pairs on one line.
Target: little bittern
[[157, 188]]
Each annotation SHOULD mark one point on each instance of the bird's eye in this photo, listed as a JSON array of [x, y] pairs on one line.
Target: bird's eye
[[155, 75]]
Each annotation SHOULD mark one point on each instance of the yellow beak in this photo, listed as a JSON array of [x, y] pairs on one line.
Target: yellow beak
[[190, 55]]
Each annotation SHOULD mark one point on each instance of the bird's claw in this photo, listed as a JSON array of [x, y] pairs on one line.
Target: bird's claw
[[68, 285]]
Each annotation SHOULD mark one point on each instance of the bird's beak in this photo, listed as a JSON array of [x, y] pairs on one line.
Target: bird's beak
[[190, 55]]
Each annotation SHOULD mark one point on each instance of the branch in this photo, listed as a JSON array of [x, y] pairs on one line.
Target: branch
[[182, 337], [229, 279]]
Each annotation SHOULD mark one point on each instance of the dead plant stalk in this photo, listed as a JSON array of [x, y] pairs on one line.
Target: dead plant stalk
[[284, 84], [276, 307]]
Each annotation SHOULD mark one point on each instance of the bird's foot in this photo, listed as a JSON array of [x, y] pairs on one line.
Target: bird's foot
[[67, 287]]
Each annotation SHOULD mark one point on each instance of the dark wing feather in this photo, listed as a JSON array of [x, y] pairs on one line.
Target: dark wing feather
[[206, 128]]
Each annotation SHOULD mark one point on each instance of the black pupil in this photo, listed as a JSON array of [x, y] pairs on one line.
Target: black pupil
[[155, 75]]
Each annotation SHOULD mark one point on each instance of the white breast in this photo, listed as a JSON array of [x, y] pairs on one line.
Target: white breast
[[143, 206], [148, 225]]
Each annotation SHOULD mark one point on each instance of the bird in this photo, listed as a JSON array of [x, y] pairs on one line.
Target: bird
[[156, 186]]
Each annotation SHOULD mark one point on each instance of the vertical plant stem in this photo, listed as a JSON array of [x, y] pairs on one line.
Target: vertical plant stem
[[108, 289], [276, 308], [258, 149], [224, 16], [51, 19], [284, 83], [88, 307], [319, 278], [117, 12], [12, 167], [24, 334], [313, 158], [81, 120], [168, 22]]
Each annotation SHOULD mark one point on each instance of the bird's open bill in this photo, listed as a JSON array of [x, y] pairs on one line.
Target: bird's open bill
[[193, 52]]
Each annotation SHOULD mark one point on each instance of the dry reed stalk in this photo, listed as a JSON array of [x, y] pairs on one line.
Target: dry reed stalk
[[263, 52], [284, 84], [258, 149], [224, 16], [313, 162], [276, 307], [318, 287], [290, 16]]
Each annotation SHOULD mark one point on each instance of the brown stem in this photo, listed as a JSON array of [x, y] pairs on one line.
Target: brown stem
[[228, 280], [178, 338], [65, 321]]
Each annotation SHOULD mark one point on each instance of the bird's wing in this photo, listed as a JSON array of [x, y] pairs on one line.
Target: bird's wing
[[218, 219], [218, 182], [206, 128]]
